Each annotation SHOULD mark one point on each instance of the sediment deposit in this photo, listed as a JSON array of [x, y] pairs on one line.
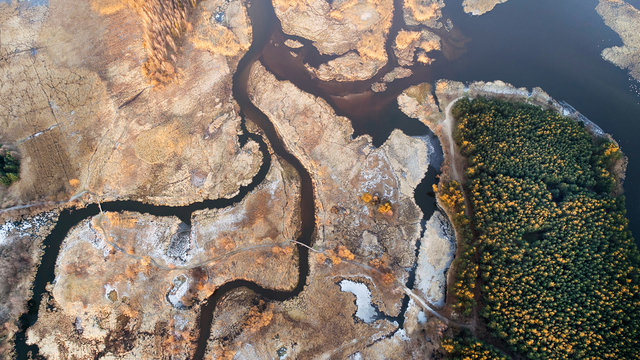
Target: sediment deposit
[[437, 248], [423, 12], [408, 43], [359, 28], [348, 67]]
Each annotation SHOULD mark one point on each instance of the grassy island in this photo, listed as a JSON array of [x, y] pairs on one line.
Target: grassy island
[[552, 270]]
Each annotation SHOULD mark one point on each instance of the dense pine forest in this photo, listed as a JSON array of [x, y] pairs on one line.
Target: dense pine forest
[[549, 265], [9, 168]]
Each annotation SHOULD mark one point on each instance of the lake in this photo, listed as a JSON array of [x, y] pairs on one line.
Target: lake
[[556, 45]]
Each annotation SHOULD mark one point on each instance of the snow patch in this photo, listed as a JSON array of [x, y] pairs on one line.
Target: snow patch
[[366, 312], [108, 288], [178, 291], [86, 232], [409, 158], [402, 335], [422, 318], [226, 220], [247, 351], [436, 253], [366, 16], [170, 242], [499, 87], [26, 227], [180, 322], [375, 173], [570, 111]]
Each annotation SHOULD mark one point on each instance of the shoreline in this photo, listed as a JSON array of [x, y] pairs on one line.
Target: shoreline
[[433, 108], [436, 111]]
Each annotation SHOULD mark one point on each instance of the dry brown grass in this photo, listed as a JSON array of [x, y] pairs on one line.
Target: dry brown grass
[[165, 23], [423, 12]]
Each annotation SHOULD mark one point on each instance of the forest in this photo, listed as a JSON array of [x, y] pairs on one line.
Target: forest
[[465, 346], [557, 267], [9, 168], [463, 289]]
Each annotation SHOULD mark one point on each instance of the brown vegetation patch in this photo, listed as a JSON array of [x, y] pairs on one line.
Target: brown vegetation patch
[[421, 11], [123, 338], [165, 23], [155, 145]]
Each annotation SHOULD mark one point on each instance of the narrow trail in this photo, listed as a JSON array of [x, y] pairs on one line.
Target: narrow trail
[[447, 129], [420, 300], [476, 326]]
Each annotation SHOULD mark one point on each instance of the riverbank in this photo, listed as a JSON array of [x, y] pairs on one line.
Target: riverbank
[[553, 199], [433, 108], [98, 123], [338, 170], [116, 320], [358, 31], [344, 169], [480, 7], [21, 247]]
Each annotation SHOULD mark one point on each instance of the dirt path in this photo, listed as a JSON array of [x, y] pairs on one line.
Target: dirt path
[[420, 301], [478, 329], [447, 130]]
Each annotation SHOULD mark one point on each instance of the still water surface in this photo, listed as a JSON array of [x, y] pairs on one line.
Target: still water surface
[[556, 45]]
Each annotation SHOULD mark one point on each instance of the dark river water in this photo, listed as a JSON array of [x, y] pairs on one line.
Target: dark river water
[[556, 45], [553, 44]]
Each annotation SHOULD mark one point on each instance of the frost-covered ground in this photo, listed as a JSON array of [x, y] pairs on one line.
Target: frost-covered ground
[[11, 230], [366, 312], [436, 253]]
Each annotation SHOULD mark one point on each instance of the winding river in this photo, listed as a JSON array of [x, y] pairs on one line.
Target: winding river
[[552, 44], [261, 28], [71, 217], [265, 26], [501, 48], [267, 32]]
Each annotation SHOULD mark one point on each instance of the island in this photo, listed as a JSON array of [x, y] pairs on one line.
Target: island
[[624, 19], [534, 191]]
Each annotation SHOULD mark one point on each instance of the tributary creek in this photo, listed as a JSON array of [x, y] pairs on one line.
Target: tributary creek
[[553, 44]]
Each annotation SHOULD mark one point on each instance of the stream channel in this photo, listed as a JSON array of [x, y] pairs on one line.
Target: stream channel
[[554, 44], [265, 24]]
